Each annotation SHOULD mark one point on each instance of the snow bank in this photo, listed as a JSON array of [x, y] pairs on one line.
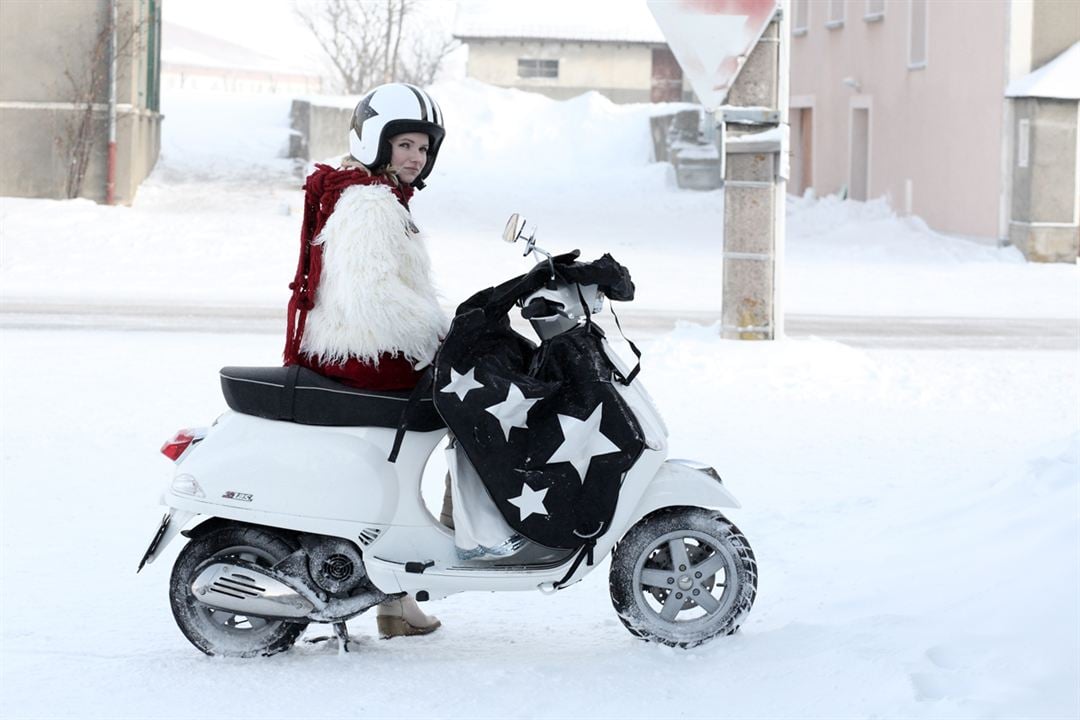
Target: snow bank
[[867, 259], [492, 132], [218, 220], [830, 230], [217, 136], [491, 129]]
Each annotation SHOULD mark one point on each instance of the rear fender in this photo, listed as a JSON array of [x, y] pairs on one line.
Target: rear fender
[[211, 524], [177, 520], [206, 527], [171, 526]]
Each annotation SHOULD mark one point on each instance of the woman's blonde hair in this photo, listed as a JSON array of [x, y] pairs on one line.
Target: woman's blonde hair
[[348, 162]]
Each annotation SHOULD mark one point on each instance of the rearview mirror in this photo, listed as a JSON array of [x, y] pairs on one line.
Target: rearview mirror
[[514, 227]]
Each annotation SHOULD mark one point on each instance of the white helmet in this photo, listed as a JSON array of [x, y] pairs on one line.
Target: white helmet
[[390, 110]]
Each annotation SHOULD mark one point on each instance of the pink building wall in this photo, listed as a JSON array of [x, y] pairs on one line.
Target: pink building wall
[[935, 133]]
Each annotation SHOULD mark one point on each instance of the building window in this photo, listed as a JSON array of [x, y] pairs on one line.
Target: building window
[[1023, 143], [836, 15], [875, 11], [800, 23], [859, 151], [917, 35], [532, 68]]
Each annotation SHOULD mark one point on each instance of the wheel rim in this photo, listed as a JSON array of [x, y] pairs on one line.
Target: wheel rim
[[230, 623], [685, 580]]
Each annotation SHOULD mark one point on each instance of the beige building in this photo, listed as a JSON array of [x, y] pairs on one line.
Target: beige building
[[906, 99], [1044, 217], [54, 96], [563, 49]]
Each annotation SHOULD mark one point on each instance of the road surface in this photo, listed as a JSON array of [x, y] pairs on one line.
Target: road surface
[[639, 323]]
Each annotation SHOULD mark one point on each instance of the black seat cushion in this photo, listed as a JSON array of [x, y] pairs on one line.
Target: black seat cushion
[[299, 395]]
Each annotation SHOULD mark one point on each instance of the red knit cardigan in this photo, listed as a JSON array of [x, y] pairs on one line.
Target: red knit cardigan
[[321, 192]]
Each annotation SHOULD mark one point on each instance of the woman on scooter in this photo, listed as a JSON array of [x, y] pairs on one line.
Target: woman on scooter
[[364, 309]]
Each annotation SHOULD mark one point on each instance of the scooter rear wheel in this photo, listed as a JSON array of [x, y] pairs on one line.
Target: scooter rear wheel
[[682, 576], [221, 632]]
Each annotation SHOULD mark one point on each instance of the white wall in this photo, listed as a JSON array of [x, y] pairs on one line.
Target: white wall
[[622, 70]]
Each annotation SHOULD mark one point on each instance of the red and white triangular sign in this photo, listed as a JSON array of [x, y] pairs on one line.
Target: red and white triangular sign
[[707, 37]]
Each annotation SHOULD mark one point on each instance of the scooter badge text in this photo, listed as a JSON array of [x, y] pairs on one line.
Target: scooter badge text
[[230, 495]]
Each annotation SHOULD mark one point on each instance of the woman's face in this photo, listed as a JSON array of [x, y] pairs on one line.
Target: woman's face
[[408, 154]]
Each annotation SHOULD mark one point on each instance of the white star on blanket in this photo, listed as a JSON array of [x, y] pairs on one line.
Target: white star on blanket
[[460, 384], [582, 441], [530, 502], [513, 412]]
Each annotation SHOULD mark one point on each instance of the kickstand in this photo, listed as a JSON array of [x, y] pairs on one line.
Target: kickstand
[[342, 632]]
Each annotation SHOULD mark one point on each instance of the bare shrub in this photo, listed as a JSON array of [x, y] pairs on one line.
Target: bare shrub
[[88, 77], [370, 42]]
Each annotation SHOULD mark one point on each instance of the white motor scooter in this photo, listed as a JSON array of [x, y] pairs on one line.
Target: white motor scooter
[[309, 522]]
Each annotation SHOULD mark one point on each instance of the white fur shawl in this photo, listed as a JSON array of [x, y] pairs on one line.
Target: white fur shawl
[[375, 293]]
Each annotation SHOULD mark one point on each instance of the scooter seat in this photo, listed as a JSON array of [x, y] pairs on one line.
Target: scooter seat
[[297, 394]]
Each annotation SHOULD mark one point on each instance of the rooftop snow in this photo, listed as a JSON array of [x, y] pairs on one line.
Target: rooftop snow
[[184, 46], [594, 20], [1059, 78]]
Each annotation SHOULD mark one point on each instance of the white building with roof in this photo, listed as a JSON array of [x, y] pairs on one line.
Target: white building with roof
[[195, 60], [562, 49]]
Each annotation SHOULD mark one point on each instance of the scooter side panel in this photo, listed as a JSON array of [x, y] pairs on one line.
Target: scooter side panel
[[265, 467]]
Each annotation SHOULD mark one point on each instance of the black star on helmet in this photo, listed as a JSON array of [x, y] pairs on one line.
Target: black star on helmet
[[364, 112]]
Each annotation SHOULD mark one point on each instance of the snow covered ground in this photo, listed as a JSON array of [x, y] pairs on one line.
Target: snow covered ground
[[915, 513]]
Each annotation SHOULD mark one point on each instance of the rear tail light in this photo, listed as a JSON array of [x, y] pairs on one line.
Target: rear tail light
[[175, 446]]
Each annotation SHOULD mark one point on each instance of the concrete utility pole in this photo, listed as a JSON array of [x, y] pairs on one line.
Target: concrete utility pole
[[735, 54], [753, 140]]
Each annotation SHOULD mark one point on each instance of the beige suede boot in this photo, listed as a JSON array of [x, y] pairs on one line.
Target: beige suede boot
[[402, 617]]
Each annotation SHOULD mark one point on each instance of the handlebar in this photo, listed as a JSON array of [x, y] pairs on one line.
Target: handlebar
[[542, 308]]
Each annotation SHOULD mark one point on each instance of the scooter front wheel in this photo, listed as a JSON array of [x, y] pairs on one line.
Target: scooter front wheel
[[221, 632], [682, 576]]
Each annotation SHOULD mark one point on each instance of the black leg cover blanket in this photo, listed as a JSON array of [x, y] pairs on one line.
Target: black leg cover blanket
[[546, 427]]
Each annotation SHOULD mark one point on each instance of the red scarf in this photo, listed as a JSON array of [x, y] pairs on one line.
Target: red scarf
[[321, 192]]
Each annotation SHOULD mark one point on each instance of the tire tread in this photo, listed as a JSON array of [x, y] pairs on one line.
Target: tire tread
[[623, 594], [197, 551]]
